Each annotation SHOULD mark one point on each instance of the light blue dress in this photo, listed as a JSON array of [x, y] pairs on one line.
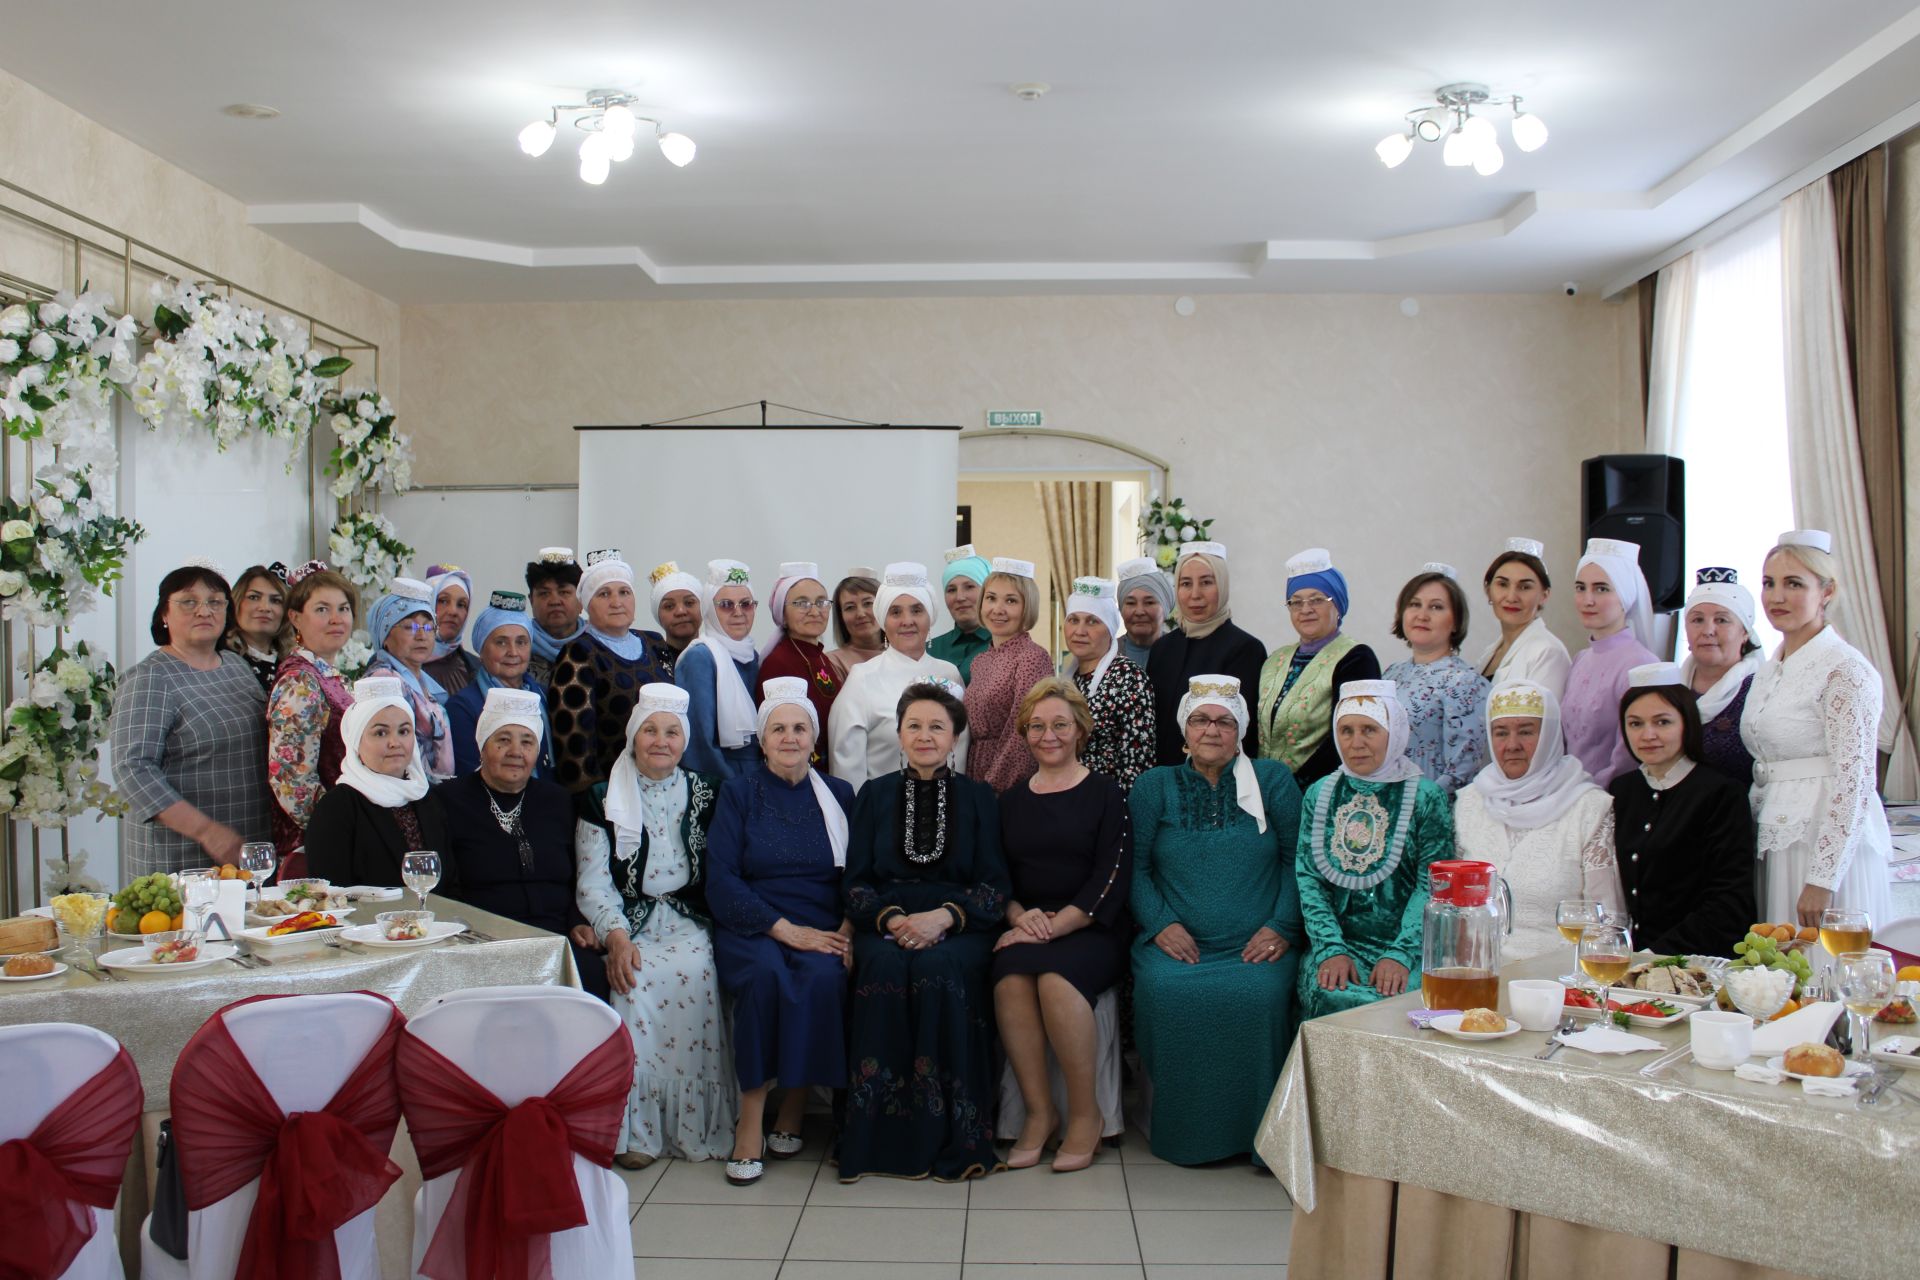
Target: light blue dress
[[693, 671], [1446, 704]]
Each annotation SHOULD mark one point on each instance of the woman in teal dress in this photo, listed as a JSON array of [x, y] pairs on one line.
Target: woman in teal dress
[[1371, 831], [1220, 932]]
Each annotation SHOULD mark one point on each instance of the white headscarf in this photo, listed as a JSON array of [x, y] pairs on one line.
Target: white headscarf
[[1379, 701], [602, 567], [626, 808], [505, 707], [1098, 598], [1553, 780], [1621, 560], [1722, 587], [1224, 692], [668, 578], [733, 705], [370, 696], [791, 691], [902, 578]]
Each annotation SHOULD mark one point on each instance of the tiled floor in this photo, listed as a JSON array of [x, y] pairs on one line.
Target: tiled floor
[[1130, 1217]]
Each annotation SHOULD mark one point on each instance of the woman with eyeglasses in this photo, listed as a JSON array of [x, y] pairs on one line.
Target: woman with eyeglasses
[[1220, 933], [721, 673], [189, 735], [801, 609], [1299, 680], [402, 624]]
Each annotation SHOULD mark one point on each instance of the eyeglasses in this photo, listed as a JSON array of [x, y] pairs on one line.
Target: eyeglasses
[[736, 606], [1058, 728], [418, 628], [1200, 723], [194, 604], [1296, 604], [817, 602]]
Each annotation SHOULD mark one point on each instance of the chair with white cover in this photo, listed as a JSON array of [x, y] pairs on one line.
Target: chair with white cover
[[1899, 935], [302, 1083], [69, 1113], [509, 1088], [1106, 1078]]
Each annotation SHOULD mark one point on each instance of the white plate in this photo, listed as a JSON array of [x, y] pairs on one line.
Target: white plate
[[1450, 1024], [259, 936], [1681, 1011], [1900, 1051], [134, 960], [369, 935], [1852, 1068], [59, 968]]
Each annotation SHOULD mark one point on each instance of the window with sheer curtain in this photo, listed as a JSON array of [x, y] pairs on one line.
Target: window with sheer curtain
[[1720, 401]]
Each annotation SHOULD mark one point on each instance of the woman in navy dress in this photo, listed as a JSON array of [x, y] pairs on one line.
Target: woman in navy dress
[[778, 842]]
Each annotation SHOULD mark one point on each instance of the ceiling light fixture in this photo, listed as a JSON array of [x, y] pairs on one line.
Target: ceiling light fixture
[[611, 124], [1469, 139]]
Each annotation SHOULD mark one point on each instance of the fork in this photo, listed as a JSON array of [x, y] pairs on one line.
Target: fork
[[1566, 1027]]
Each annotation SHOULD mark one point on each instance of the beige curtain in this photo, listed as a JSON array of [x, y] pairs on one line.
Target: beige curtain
[[1076, 516], [1824, 455], [1666, 347]]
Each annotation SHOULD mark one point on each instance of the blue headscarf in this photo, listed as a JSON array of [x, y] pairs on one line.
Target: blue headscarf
[[504, 609], [966, 564], [1329, 579], [396, 606]]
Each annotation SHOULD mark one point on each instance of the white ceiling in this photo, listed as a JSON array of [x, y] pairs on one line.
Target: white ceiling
[[853, 146]]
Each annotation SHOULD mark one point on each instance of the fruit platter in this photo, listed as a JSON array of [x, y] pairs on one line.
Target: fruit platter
[[150, 904], [1764, 947]]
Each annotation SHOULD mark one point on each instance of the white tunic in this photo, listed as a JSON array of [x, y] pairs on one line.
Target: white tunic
[[1570, 857], [1536, 655], [1812, 723], [863, 733]]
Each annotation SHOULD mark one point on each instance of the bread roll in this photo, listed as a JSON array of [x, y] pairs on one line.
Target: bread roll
[[1814, 1060], [1482, 1020], [28, 966], [27, 933]]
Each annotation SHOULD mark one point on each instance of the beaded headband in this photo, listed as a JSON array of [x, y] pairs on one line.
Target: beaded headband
[[1527, 547], [511, 601], [307, 570], [1517, 702], [664, 569]]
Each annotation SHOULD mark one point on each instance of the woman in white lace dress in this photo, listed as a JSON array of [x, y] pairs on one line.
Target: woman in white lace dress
[[1812, 722], [1537, 817]]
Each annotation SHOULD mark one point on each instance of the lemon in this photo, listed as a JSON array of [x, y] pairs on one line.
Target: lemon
[[1909, 974]]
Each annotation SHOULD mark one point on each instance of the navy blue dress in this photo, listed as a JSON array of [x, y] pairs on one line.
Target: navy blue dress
[[768, 859], [463, 722], [1722, 749]]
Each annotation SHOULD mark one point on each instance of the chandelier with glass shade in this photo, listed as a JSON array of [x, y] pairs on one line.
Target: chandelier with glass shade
[[608, 119], [1465, 138]]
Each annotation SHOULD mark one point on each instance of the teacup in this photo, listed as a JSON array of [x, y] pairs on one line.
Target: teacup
[[1536, 1002], [1721, 1041]]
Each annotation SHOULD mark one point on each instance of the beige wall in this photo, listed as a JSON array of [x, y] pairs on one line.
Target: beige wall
[[1295, 419], [1903, 244]]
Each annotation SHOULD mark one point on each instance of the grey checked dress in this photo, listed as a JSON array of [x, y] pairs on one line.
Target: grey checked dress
[[198, 736]]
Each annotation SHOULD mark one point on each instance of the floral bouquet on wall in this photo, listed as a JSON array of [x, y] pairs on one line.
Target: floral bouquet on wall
[[369, 454], [59, 363], [367, 551], [56, 555], [51, 738], [1164, 525], [230, 370]]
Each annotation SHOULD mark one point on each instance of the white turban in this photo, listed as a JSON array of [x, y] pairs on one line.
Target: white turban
[[372, 695], [785, 691], [505, 707], [1722, 587], [1097, 598], [1224, 692], [791, 691], [667, 578], [626, 808], [1718, 586], [902, 578], [602, 568]]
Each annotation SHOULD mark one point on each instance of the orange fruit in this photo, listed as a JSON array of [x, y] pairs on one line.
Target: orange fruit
[[155, 922], [179, 920], [1785, 1009], [1909, 974]]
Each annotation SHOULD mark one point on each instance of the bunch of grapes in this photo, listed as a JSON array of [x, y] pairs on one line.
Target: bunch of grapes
[[1757, 951], [156, 892]]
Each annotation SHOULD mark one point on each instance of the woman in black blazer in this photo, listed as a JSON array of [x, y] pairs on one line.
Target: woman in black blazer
[[380, 810]]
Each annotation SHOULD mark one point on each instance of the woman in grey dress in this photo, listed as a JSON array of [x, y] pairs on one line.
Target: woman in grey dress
[[189, 735]]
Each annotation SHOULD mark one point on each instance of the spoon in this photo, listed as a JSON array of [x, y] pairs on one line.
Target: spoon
[[1565, 1028]]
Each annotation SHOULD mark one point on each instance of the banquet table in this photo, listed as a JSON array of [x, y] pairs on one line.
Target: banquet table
[[154, 1017], [1409, 1153]]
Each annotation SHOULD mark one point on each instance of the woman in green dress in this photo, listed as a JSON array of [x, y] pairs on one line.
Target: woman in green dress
[[1371, 831], [1220, 932]]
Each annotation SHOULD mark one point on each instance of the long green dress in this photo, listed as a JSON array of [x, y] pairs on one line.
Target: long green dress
[[1364, 850], [1213, 1035]]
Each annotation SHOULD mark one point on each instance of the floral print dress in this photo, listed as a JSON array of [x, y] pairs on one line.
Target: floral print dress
[[1121, 745], [1446, 704], [304, 748]]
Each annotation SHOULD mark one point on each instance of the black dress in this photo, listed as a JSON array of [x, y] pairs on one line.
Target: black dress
[[352, 840], [534, 887], [1686, 861], [1357, 663], [1175, 660], [920, 1022], [1070, 848], [1721, 747]]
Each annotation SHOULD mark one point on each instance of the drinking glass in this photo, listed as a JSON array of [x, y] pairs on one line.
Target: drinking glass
[[1605, 954], [421, 871], [1572, 917], [1866, 984], [197, 894], [257, 859], [1842, 930]]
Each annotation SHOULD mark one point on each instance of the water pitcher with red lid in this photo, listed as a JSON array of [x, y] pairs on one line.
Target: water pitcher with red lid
[[1460, 949]]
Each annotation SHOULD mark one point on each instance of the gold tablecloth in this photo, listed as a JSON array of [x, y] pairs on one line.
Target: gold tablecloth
[[1695, 1158], [154, 1018]]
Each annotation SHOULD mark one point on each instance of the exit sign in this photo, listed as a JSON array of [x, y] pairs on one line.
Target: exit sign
[[1013, 417]]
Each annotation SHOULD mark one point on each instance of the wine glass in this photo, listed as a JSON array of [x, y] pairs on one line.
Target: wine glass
[[1843, 930], [257, 859], [1866, 984], [1572, 917], [1605, 953], [197, 894], [421, 871]]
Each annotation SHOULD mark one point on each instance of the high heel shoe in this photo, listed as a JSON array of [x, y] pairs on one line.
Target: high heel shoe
[[1065, 1161], [1024, 1157]]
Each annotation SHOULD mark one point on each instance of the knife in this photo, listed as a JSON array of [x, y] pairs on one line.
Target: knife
[[1666, 1060]]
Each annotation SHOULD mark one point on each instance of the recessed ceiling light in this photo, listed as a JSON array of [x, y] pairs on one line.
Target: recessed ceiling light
[[249, 111], [1031, 92]]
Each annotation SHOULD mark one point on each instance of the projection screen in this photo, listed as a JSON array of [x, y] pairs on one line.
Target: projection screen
[[838, 496]]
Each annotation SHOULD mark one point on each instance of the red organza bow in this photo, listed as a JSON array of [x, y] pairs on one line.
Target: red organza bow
[[318, 1170], [516, 1185], [72, 1163]]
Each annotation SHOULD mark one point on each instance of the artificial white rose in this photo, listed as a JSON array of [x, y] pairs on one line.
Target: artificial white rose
[[16, 531], [9, 350], [52, 313], [15, 321], [50, 507], [72, 675], [42, 346], [366, 408], [31, 376], [45, 690]]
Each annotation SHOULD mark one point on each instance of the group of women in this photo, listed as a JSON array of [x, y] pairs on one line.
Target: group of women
[[887, 867]]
